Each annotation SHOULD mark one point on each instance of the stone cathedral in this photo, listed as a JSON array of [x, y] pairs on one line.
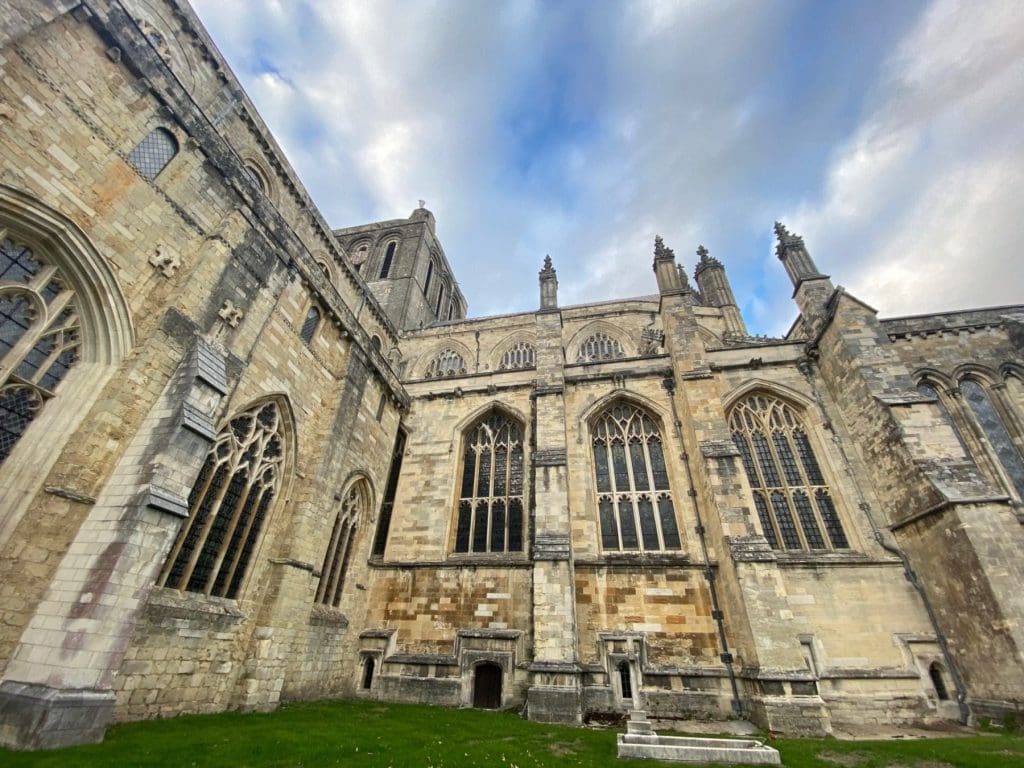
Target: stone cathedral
[[247, 458]]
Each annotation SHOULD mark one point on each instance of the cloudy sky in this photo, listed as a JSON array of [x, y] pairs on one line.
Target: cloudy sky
[[889, 134]]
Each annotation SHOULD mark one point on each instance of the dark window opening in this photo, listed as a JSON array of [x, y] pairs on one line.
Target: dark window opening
[[625, 680], [935, 673], [310, 325], [368, 666], [384, 523], [487, 686], [389, 255]]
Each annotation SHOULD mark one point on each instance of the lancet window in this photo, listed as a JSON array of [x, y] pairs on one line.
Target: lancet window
[[153, 153], [634, 498], [339, 548], [490, 508], [309, 325], [389, 255], [600, 346], [995, 431], [228, 506], [448, 363], [519, 355], [793, 500], [40, 337]]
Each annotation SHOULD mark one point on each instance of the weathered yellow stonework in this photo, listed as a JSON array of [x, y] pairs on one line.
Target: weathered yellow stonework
[[855, 558]]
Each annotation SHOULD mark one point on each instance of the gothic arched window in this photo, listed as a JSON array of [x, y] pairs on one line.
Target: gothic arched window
[[995, 432], [339, 548], [448, 363], [39, 337], [519, 355], [600, 346], [153, 153], [430, 275], [309, 325], [634, 499], [793, 501], [440, 301], [389, 255], [490, 508], [228, 505]]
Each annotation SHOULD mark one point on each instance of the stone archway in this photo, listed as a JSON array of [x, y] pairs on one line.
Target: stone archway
[[487, 686]]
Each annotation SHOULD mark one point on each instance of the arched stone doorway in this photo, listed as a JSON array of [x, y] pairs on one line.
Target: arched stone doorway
[[487, 686]]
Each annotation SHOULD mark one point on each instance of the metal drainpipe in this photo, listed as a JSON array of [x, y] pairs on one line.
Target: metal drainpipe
[[908, 572], [709, 574]]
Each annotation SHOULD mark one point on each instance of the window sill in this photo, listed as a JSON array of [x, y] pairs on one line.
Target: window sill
[[164, 602], [324, 615]]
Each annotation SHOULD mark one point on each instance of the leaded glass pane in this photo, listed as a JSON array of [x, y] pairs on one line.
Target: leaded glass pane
[[639, 462], [807, 520], [515, 525], [766, 520], [669, 529], [600, 346], [498, 526], [765, 461], [995, 431], [153, 153], [519, 355], [18, 406], [609, 530], [803, 447], [658, 468], [17, 263], [748, 460], [627, 522], [469, 473], [648, 527], [787, 528], [480, 527], [619, 467], [833, 526], [604, 482], [500, 470], [786, 459], [310, 325], [463, 526]]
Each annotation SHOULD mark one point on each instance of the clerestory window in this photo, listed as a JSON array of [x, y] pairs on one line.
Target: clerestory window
[[153, 153], [519, 355], [634, 498], [39, 337], [490, 508], [228, 506], [793, 501], [600, 346], [339, 548], [447, 363], [995, 431]]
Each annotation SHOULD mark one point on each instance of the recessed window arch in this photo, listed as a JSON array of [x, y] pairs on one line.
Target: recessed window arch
[[793, 501], [599, 346], [389, 257], [447, 363], [429, 277], [519, 355], [229, 505], [360, 254], [634, 497], [354, 504], [153, 153], [310, 324], [489, 514], [40, 336], [440, 300], [256, 176], [991, 425]]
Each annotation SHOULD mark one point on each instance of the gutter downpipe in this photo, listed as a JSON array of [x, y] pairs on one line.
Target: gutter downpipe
[[737, 705]]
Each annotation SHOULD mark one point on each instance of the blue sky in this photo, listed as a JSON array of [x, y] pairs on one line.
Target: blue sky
[[888, 134]]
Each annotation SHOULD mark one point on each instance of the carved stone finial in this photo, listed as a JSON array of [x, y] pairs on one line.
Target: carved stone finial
[[780, 231], [661, 251], [423, 203], [548, 267], [702, 252], [786, 239]]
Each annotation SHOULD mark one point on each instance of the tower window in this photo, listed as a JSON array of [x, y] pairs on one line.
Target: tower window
[[228, 506], [153, 153], [634, 499], [793, 502], [490, 508], [389, 255], [430, 274], [39, 338], [440, 301], [600, 346], [339, 548]]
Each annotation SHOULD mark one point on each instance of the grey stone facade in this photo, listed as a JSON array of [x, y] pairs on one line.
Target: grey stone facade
[[557, 511]]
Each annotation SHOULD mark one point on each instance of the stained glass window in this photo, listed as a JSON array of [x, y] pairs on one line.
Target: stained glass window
[[339, 547], [995, 432], [448, 363], [490, 508], [153, 153], [519, 355], [228, 506], [792, 500], [600, 346], [634, 501], [39, 337]]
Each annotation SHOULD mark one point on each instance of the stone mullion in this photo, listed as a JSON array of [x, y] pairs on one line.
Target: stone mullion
[[329, 557], [189, 521], [186, 573]]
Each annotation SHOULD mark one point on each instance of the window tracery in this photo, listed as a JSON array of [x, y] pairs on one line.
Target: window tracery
[[793, 501], [490, 508], [634, 498], [995, 431], [447, 363], [600, 346], [39, 337], [153, 153], [339, 548], [519, 355], [228, 505]]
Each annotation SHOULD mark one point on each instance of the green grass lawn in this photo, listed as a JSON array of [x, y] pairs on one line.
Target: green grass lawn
[[361, 733]]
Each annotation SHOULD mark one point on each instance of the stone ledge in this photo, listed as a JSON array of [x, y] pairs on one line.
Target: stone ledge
[[35, 716]]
